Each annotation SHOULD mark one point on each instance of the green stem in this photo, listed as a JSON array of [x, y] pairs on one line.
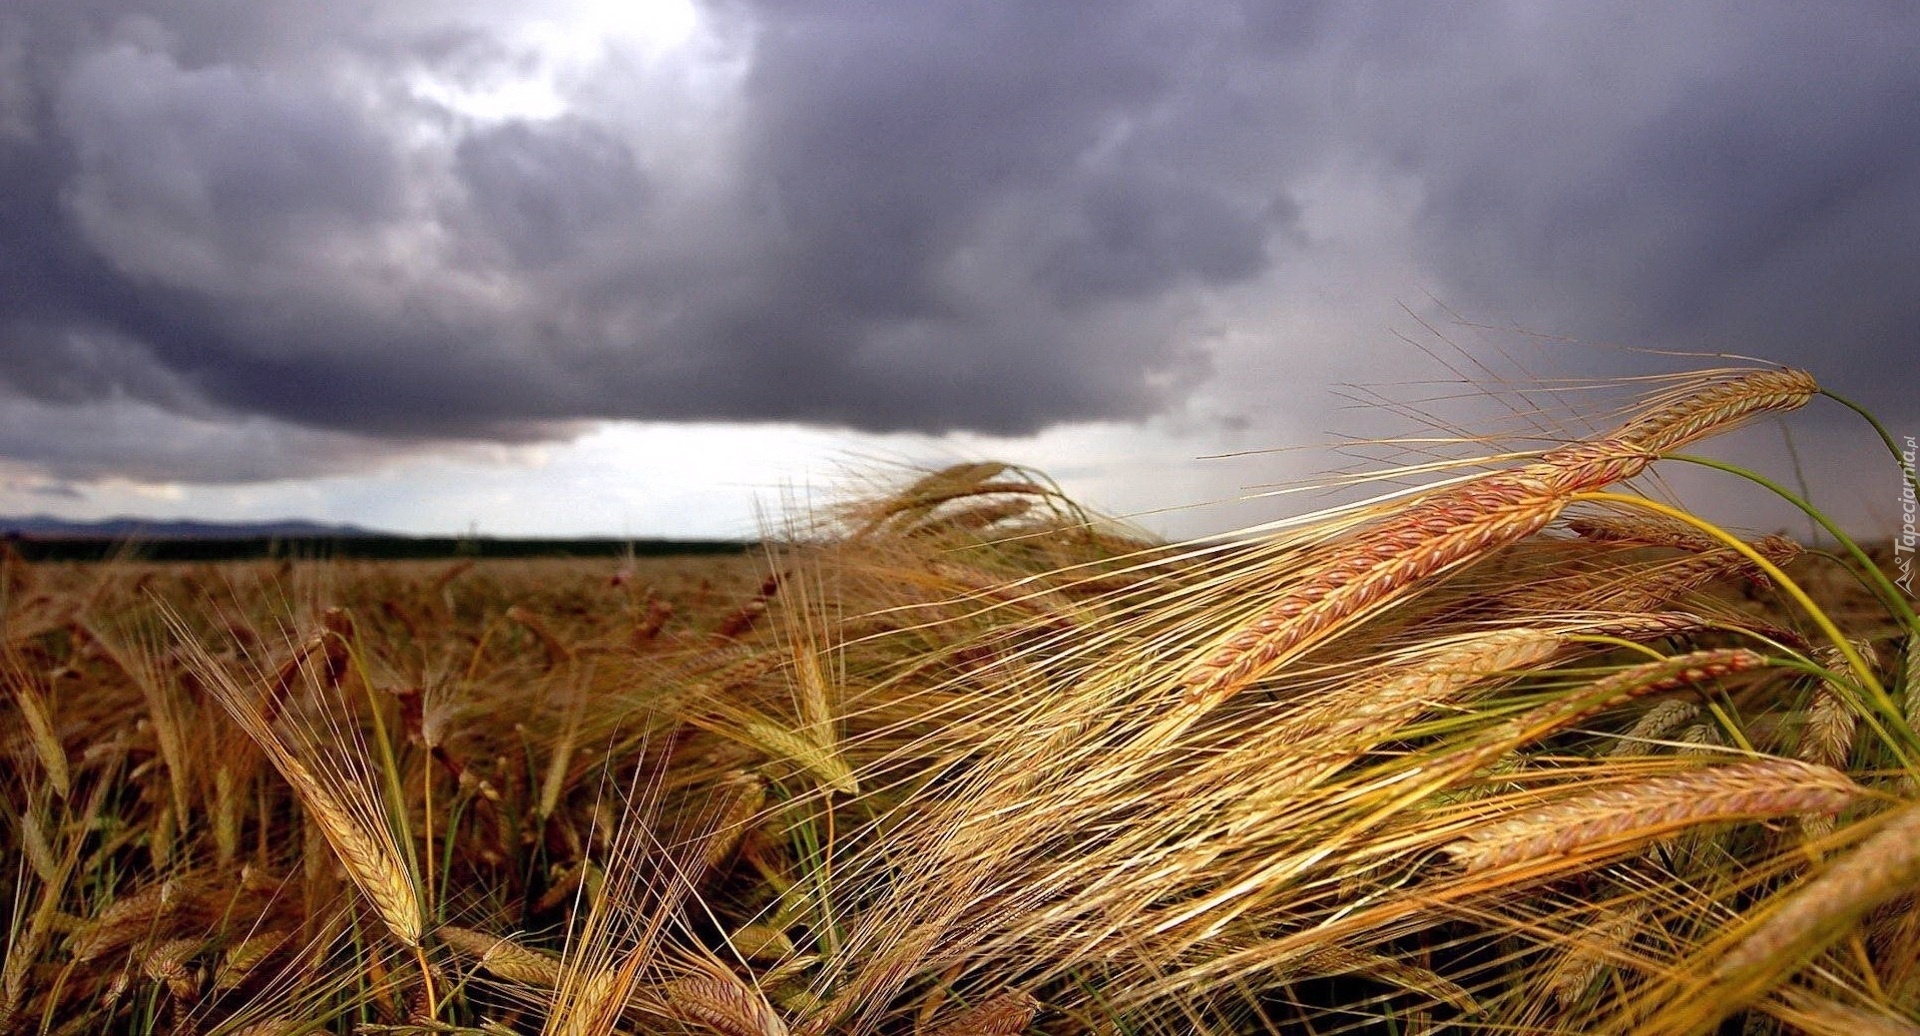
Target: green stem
[[1907, 473], [1869, 682], [1883, 587]]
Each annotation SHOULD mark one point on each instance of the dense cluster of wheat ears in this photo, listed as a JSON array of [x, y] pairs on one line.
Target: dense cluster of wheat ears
[[1517, 752]]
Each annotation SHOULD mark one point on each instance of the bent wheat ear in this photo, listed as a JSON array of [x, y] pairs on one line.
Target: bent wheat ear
[[242, 958], [351, 815], [723, 1004], [1658, 807], [1642, 531], [1008, 1014], [40, 728], [1910, 681], [588, 1003], [1657, 722], [1333, 960], [820, 760], [1654, 588], [1331, 735], [276, 1027], [1694, 412], [1828, 735], [503, 958], [1639, 681], [1806, 919], [1376, 565], [739, 799], [1815, 1015], [761, 942], [1591, 954], [371, 861], [126, 919]]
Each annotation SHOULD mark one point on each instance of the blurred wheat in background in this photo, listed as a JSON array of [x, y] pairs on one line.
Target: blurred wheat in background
[[1516, 749]]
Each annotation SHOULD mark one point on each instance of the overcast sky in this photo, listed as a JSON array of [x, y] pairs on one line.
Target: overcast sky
[[628, 266]]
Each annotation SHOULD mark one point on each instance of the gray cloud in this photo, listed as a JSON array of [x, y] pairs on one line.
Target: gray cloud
[[339, 231], [1724, 177], [122, 438], [191, 176], [543, 192]]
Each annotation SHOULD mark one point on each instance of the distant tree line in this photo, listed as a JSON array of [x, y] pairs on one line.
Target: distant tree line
[[375, 548]]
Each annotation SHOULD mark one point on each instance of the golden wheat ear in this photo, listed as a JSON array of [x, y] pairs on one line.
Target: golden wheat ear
[[1376, 565], [502, 957], [1008, 1014], [339, 792], [717, 1001], [1626, 815]]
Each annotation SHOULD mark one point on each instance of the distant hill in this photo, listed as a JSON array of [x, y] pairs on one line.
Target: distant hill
[[44, 527]]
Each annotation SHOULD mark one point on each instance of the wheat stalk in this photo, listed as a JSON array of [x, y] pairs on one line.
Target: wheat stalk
[[350, 815], [1656, 807]]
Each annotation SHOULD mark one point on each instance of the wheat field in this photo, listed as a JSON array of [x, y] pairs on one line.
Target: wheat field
[[1512, 747]]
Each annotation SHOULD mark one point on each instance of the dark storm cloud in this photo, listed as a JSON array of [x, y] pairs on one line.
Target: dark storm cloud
[[281, 224], [1733, 177], [926, 217], [542, 190]]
